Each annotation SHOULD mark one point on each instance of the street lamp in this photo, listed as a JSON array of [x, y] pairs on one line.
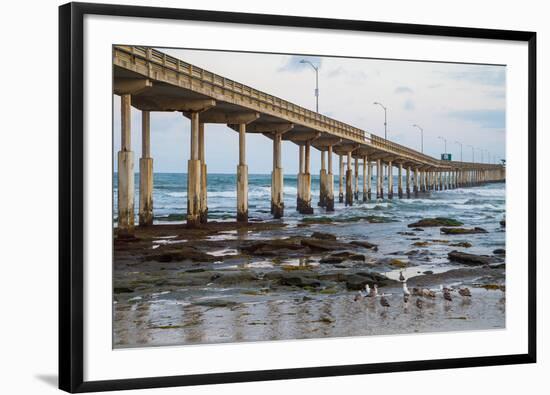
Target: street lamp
[[421, 137], [445, 140], [385, 119], [459, 143], [316, 82], [473, 156], [481, 150]]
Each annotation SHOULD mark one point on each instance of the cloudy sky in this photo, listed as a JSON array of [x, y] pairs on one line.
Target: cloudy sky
[[464, 103]]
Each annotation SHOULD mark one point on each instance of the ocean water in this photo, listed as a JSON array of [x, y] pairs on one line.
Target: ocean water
[[475, 206]]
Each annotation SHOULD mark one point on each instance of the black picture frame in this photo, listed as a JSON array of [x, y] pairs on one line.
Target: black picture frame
[[71, 195]]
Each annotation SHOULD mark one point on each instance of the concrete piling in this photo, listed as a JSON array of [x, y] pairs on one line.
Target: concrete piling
[[194, 175], [329, 182], [277, 179], [203, 216], [341, 180], [304, 184], [365, 178], [400, 181], [390, 180], [145, 173], [125, 172], [369, 181], [349, 180], [242, 177]]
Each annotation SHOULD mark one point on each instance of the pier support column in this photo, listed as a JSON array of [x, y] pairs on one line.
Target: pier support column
[[408, 182], [365, 178], [242, 177], [304, 191], [390, 180], [440, 175], [415, 182], [145, 173], [400, 181], [330, 182], [194, 175], [369, 181], [341, 180], [349, 180], [378, 179], [322, 182], [356, 186], [277, 179], [125, 172], [204, 174]]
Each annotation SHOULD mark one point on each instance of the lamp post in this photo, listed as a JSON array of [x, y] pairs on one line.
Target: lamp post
[[316, 82], [385, 119], [459, 143], [481, 150], [421, 137], [445, 140], [473, 156]]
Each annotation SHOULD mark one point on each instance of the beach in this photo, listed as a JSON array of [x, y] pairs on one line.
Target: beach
[[299, 277]]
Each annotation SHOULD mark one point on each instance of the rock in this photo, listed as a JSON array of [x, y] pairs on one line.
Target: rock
[[499, 251], [421, 244], [418, 229], [351, 256], [272, 247], [392, 262], [431, 222], [323, 245], [122, 290], [216, 303], [357, 281], [406, 233], [470, 259], [462, 231], [324, 236], [503, 223], [365, 244], [464, 244], [177, 254], [236, 277], [332, 259], [293, 280], [428, 272]]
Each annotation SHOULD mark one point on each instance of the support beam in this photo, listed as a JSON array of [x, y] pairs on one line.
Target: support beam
[[365, 178], [323, 192], [341, 179], [369, 181], [304, 184], [356, 186], [379, 179], [277, 179], [203, 216], [408, 182], [145, 173], [415, 181], [390, 180], [125, 173], [194, 175], [400, 181], [242, 177], [349, 178], [330, 182]]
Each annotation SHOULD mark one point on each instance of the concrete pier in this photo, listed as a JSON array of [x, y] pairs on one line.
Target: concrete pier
[[125, 172], [341, 179], [365, 178], [203, 216], [390, 180], [408, 186], [369, 181], [242, 177], [145, 173], [349, 180], [329, 182], [304, 183], [194, 175], [356, 186], [277, 179], [379, 179], [323, 192], [400, 181]]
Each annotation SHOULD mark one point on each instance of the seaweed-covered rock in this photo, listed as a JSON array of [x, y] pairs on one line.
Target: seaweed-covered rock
[[470, 259], [365, 244], [464, 244], [357, 281], [323, 245], [272, 247], [462, 231], [324, 236], [499, 251], [432, 222], [177, 254]]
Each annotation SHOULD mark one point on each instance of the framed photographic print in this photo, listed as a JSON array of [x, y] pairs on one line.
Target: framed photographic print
[[251, 197]]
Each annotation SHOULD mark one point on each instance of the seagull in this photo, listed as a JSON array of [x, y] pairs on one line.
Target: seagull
[[428, 293], [384, 302], [401, 277], [464, 292], [367, 290], [406, 298], [406, 292], [419, 303], [373, 291]]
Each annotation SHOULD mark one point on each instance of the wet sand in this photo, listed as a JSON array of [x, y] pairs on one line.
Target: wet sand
[[226, 282]]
